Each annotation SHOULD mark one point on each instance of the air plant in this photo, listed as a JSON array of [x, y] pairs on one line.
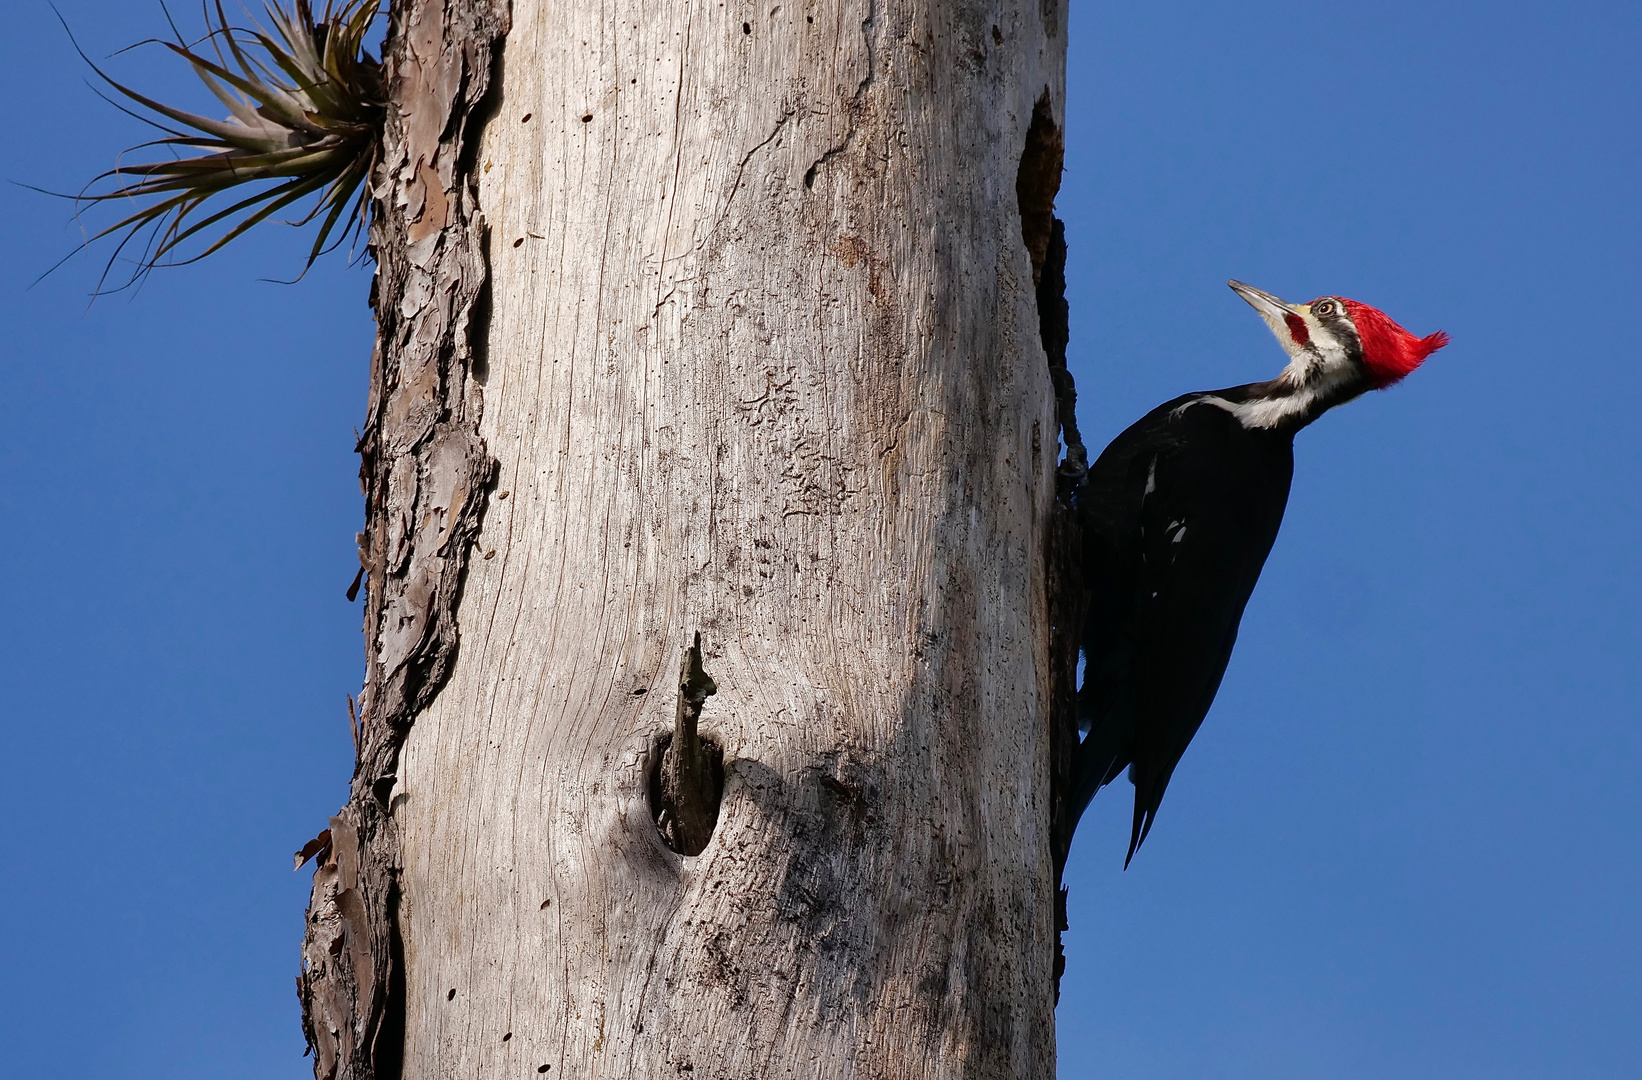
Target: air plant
[[306, 105]]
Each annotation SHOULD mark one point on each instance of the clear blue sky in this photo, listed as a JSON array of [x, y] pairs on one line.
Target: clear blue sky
[[1405, 843]]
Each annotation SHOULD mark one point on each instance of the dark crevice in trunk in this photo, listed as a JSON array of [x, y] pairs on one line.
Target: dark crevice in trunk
[[1054, 324], [388, 1054], [1036, 185], [479, 326], [1037, 182], [474, 118], [1066, 588]]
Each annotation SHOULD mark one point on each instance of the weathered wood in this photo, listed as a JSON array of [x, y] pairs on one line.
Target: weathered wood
[[764, 359], [762, 356]]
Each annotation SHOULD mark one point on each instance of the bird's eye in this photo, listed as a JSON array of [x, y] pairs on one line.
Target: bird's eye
[[1325, 308]]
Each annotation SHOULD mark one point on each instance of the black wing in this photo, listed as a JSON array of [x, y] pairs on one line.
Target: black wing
[[1206, 527], [1211, 499], [1110, 504]]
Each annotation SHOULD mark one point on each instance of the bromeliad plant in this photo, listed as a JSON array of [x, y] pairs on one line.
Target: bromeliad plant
[[306, 106]]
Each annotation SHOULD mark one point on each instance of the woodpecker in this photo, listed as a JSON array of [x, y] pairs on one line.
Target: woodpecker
[[1179, 514]]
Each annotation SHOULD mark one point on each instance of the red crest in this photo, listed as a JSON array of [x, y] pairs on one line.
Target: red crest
[[1389, 351]]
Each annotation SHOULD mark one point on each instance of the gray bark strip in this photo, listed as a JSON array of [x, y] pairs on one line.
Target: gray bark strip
[[764, 360], [424, 470]]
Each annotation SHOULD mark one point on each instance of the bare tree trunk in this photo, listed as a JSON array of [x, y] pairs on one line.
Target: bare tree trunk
[[761, 360]]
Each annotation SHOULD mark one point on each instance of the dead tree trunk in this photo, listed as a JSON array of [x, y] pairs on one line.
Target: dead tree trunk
[[726, 322]]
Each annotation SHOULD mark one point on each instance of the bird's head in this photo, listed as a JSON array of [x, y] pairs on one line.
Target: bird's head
[[1341, 342]]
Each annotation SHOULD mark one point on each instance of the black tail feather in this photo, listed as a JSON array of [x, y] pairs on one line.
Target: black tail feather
[[1137, 835]]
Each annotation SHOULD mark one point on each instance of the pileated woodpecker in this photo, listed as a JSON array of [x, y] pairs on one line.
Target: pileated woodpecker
[[1180, 512]]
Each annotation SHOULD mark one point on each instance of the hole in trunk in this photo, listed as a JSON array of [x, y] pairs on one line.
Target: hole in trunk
[[664, 810], [688, 778], [1037, 183]]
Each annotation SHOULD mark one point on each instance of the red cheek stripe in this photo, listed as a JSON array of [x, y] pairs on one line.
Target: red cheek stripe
[[1297, 329]]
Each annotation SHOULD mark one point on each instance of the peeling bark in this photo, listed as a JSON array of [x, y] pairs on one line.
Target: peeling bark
[[425, 472]]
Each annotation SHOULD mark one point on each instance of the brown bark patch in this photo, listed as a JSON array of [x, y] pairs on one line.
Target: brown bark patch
[[425, 471]]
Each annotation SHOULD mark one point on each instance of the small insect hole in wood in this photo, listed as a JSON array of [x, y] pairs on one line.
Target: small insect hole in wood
[[451, 996]]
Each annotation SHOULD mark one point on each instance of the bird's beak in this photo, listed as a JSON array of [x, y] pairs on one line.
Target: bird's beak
[[1269, 307], [1277, 313]]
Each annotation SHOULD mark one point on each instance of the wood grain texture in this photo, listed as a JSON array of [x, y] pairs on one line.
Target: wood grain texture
[[763, 362]]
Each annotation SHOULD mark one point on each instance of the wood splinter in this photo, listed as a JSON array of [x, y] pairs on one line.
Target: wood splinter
[[690, 781]]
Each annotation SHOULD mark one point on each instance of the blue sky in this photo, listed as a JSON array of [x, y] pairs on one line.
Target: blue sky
[[1405, 843]]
